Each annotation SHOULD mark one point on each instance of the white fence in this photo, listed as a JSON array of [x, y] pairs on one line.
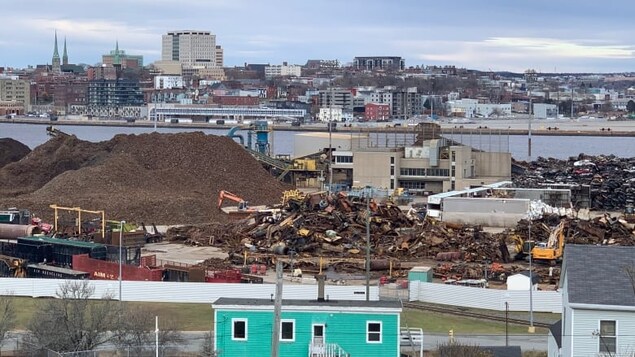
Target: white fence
[[160, 291], [480, 298]]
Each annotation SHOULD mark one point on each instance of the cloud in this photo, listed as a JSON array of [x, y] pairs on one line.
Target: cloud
[[562, 48]]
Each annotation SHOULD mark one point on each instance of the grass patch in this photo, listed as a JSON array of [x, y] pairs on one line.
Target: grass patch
[[433, 322], [199, 317]]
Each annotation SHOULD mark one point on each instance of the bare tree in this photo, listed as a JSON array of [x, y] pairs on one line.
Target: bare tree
[[72, 321], [456, 349], [7, 317], [136, 331], [207, 350]]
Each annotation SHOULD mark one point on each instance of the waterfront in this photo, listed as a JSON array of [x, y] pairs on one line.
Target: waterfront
[[561, 147]]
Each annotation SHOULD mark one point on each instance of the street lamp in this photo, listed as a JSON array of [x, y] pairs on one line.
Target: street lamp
[[121, 223]]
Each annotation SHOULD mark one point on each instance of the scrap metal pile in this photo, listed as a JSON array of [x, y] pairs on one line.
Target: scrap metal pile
[[611, 179], [332, 229]]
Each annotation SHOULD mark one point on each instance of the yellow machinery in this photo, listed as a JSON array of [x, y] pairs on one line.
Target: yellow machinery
[[554, 248], [79, 217]]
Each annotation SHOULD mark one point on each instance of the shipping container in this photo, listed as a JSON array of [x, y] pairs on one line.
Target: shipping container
[[52, 272], [57, 251], [109, 270]]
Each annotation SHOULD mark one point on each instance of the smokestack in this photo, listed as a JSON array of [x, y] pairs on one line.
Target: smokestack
[[320, 281]]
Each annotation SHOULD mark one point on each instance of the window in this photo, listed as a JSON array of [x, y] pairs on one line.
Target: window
[[392, 171], [373, 332], [287, 330], [392, 160], [608, 337], [239, 329]]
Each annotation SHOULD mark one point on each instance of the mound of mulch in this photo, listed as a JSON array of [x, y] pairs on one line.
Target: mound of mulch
[[11, 151], [151, 178]]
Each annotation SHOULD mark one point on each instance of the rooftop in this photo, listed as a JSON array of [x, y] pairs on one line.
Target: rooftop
[[309, 303], [598, 274]]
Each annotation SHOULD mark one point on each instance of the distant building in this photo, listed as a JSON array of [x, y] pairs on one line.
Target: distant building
[[544, 111], [120, 57], [379, 63], [190, 48], [283, 70], [168, 82], [17, 91], [342, 98], [376, 111], [118, 98], [219, 54]]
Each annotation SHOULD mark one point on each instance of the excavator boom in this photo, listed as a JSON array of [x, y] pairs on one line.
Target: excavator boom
[[223, 195]]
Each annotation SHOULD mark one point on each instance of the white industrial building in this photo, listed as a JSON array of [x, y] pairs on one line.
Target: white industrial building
[[168, 82], [521, 281], [283, 70], [471, 108], [544, 111]]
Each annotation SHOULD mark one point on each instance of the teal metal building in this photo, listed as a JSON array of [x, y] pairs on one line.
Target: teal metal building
[[314, 328]]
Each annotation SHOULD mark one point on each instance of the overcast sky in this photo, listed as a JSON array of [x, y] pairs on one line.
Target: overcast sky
[[498, 35]]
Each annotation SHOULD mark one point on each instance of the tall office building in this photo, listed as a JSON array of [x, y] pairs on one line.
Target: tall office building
[[190, 48]]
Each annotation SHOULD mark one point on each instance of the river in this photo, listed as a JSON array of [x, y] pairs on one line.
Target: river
[[561, 147]]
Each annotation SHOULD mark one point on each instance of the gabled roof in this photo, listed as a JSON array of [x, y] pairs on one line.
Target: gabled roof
[[597, 274], [535, 277], [556, 331]]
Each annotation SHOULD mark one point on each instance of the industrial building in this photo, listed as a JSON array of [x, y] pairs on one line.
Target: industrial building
[[421, 161]]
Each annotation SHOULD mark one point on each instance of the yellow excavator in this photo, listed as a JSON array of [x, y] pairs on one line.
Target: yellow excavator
[[552, 251]]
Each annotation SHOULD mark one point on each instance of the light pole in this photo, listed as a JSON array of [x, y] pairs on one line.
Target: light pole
[[368, 243], [532, 329], [121, 223], [330, 124]]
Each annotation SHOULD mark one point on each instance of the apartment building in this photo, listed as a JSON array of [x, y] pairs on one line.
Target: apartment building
[[342, 98], [375, 63], [190, 48], [16, 90], [283, 70]]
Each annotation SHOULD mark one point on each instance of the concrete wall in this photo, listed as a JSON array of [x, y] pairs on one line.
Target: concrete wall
[[373, 168], [493, 164], [491, 212]]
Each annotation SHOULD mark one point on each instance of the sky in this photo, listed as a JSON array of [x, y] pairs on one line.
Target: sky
[[497, 35]]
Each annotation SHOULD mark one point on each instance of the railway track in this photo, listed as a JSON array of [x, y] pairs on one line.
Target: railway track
[[471, 314]]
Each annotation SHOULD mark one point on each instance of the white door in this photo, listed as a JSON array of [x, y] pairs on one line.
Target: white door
[[318, 335]]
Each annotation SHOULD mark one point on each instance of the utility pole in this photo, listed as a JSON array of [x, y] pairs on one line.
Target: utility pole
[[277, 312], [506, 323], [532, 329], [368, 244], [121, 223], [531, 114], [330, 124]]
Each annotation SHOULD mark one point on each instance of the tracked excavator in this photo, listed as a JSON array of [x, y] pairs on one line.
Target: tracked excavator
[[242, 204]]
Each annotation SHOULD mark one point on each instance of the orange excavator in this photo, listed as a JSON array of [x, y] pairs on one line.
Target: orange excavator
[[242, 204]]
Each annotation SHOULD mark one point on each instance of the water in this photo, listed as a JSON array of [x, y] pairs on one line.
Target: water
[[561, 147]]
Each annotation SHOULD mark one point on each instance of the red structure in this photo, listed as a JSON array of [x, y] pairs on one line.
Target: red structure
[[376, 111], [106, 270], [233, 100]]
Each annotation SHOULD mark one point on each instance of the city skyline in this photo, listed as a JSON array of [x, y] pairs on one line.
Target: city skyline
[[497, 35]]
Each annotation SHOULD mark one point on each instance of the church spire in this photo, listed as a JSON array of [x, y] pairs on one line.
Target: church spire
[[65, 55], [56, 57], [117, 59]]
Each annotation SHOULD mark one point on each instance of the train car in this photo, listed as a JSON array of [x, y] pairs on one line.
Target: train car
[[57, 251], [52, 272]]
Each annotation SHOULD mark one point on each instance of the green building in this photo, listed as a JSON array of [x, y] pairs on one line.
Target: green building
[[314, 328]]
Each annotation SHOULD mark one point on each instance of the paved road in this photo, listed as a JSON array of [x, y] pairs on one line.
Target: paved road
[[526, 342], [195, 340]]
